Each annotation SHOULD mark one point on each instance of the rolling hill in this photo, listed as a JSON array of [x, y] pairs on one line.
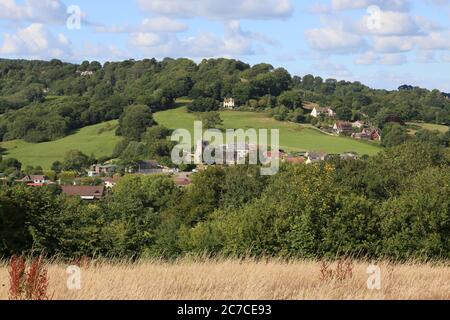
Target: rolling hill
[[293, 137], [99, 140]]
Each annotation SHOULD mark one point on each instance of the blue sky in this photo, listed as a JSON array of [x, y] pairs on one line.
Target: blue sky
[[382, 43]]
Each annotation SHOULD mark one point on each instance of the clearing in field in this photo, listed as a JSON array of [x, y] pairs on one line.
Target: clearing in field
[[99, 140], [293, 137], [245, 280]]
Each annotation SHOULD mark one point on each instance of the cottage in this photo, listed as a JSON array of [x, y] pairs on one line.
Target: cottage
[[358, 124], [35, 180], [229, 103], [86, 73], [375, 135], [84, 192], [314, 157], [343, 128], [98, 169], [317, 111]]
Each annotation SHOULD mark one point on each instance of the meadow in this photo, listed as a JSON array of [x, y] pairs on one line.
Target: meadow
[[99, 140], [243, 279], [293, 137]]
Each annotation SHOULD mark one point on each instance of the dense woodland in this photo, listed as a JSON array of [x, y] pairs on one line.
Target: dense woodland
[[395, 205], [42, 101]]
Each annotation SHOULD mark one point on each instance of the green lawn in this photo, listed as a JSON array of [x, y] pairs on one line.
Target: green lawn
[[293, 137], [99, 140]]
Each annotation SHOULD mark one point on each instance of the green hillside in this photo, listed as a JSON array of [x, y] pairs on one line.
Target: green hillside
[[293, 137], [99, 140]]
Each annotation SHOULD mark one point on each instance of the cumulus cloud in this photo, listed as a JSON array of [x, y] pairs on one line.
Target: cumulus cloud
[[372, 58], [154, 24], [394, 5], [35, 41], [334, 40], [393, 44], [235, 42], [219, 9], [391, 23], [44, 11]]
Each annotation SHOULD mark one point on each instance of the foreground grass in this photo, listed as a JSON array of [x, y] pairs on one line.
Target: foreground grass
[[99, 140], [246, 280], [293, 137]]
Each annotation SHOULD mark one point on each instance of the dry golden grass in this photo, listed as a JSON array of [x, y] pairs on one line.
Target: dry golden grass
[[246, 280]]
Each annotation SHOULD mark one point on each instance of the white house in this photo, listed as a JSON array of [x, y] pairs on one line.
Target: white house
[[229, 103], [317, 111], [358, 124]]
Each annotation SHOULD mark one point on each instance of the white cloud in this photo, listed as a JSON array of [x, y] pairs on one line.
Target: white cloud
[[44, 11], [372, 58], [235, 42], [394, 5], [391, 23], [155, 25], [146, 39], [219, 9], [35, 41], [334, 40], [393, 44], [434, 41]]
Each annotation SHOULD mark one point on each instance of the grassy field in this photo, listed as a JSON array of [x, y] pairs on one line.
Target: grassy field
[[293, 137], [415, 126], [246, 280], [99, 140]]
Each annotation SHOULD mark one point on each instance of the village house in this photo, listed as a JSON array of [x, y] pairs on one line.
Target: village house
[[343, 128], [368, 134], [375, 135], [317, 111], [85, 73], [88, 193], [229, 103], [358, 124], [97, 170], [315, 157], [35, 180]]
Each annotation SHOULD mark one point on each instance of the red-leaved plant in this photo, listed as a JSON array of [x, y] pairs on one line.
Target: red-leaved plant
[[31, 284], [343, 271]]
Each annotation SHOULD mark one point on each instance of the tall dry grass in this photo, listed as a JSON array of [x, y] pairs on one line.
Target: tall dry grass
[[247, 280]]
